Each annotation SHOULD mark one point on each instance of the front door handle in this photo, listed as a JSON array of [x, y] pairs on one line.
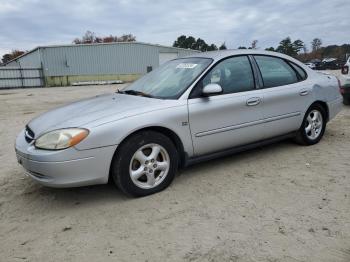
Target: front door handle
[[303, 92], [253, 101]]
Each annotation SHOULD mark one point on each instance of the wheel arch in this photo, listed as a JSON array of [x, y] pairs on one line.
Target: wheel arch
[[165, 131], [324, 106]]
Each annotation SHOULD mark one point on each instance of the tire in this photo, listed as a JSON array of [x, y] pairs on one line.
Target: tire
[[137, 155], [346, 100], [312, 130]]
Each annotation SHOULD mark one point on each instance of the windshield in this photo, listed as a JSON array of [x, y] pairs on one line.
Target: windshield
[[171, 79]]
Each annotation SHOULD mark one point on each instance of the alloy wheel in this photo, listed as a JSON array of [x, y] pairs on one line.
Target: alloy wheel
[[314, 124], [149, 166]]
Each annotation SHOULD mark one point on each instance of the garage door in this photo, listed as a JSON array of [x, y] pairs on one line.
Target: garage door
[[164, 57]]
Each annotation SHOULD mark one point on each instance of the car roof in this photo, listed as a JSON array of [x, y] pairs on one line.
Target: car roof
[[218, 55]]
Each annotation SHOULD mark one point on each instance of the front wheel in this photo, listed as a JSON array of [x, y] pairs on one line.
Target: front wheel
[[145, 163], [313, 126]]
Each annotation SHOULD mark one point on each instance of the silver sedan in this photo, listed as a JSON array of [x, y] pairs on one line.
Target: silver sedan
[[188, 110]]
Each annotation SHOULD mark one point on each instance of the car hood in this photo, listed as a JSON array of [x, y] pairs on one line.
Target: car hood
[[94, 110]]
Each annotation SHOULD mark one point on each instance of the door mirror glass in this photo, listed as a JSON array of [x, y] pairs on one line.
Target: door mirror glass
[[211, 89], [345, 70]]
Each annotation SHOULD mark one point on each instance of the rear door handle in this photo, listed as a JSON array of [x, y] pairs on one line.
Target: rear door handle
[[253, 101], [303, 92]]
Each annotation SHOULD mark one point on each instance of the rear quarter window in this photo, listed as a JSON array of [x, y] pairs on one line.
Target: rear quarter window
[[301, 72]]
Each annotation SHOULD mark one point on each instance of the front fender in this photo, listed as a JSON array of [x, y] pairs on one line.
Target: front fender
[[114, 132]]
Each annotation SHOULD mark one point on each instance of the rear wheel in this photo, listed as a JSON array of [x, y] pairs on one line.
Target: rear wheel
[[145, 163], [313, 126]]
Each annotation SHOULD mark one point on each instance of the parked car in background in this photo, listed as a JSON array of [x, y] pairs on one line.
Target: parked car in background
[[317, 63], [345, 82], [188, 110], [311, 65], [329, 64]]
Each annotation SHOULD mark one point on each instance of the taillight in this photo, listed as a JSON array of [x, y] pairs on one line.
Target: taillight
[[345, 70]]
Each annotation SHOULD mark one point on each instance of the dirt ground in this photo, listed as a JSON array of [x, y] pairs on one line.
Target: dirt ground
[[282, 202]]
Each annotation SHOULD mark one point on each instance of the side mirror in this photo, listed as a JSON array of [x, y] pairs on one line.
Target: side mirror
[[345, 70], [211, 89]]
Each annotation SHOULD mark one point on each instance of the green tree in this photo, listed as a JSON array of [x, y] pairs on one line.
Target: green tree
[[223, 46], [6, 58], [193, 43], [212, 47], [286, 46], [270, 49], [242, 47], [200, 44], [180, 41], [190, 42], [298, 45], [186, 42]]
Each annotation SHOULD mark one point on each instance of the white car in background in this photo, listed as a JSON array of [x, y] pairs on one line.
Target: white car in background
[[345, 82], [311, 65]]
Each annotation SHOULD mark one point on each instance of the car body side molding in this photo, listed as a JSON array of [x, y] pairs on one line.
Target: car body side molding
[[238, 149], [262, 121]]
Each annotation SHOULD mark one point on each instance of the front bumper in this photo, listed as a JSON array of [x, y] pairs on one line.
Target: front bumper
[[65, 168]]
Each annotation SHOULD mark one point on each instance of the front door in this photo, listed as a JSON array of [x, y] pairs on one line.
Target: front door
[[230, 119]]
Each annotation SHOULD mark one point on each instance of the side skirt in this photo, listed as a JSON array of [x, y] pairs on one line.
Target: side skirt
[[234, 150]]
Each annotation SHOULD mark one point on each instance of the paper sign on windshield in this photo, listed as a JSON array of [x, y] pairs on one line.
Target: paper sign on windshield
[[186, 65]]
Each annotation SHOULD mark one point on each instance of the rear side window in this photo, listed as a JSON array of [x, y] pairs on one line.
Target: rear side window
[[275, 71]]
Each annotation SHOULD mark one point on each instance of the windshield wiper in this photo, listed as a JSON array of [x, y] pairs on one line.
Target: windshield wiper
[[134, 92]]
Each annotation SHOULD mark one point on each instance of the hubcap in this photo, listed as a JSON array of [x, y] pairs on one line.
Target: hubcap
[[149, 166], [314, 124]]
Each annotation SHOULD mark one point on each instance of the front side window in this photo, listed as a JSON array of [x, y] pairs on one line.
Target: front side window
[[233, 75], [171, 79], [275, 71]]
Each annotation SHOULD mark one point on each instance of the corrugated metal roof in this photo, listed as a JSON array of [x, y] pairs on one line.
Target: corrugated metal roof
[[126, 58], [96, 44]]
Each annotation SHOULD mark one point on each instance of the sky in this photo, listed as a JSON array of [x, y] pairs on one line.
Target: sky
[[26, 24]]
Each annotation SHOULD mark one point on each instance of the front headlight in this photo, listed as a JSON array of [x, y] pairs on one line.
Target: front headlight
[[61, 139]]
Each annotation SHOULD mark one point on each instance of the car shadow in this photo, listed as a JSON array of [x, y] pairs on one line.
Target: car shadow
[[74, 197], [237, 157]]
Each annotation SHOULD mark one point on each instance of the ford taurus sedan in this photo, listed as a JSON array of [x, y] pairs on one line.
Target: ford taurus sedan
[[188, 110]]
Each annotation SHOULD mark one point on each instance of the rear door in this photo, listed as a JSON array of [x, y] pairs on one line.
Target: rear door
[[230, 119], [286, 94]]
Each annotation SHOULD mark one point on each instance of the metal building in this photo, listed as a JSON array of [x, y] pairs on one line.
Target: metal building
[[65, 64]]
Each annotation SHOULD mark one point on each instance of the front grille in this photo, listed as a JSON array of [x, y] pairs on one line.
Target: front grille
[[29, 134]]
